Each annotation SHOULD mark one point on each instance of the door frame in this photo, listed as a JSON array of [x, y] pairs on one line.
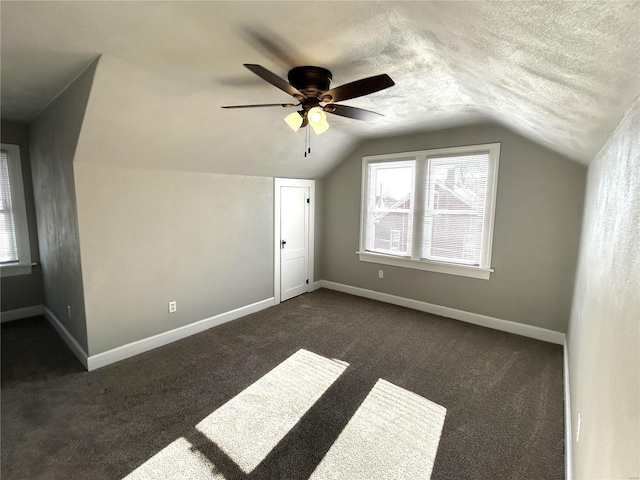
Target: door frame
[[291, 182]]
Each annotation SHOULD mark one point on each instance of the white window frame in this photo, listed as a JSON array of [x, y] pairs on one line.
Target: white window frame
[[484, 270], [24, 264]]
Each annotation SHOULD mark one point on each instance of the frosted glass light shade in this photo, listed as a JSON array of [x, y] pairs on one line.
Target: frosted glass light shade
[[321, 128], [318, 120], [294, 120]]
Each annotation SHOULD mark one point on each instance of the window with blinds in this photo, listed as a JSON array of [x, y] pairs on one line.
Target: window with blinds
[[15, 253], [453, 221], [431, 210], [390, 207], [8, 245]]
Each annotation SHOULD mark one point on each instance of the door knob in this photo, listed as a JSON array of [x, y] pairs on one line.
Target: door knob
[[283, 243]]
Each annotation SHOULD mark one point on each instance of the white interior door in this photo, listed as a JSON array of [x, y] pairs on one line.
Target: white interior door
[[294, 241], [294, 203]]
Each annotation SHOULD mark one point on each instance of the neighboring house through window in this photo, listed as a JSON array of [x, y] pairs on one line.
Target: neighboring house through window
[[431, 209], [15, 253]]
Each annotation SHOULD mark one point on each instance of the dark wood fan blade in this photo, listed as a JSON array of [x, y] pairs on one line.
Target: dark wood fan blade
[[285, 105], [352, 112], [276, 81], [358, 88]]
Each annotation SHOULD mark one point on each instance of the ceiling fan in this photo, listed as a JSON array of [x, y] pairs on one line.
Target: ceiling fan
[[310, 87]]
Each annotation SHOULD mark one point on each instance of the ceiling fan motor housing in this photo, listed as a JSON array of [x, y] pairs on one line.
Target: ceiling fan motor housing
[[312, 81]]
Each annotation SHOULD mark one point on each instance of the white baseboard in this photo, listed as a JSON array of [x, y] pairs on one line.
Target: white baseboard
[[71, 342], [315, 286], [474, 318], [164, 338], [20, 313], [568, 439]]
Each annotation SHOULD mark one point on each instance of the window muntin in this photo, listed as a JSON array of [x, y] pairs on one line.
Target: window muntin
[[449, 209]]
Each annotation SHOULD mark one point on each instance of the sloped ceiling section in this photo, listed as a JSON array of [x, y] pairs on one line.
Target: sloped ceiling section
[[559, 73], [136, 117]]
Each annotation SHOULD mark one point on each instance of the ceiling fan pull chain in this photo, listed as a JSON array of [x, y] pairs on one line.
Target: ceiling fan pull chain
[[307, 142]]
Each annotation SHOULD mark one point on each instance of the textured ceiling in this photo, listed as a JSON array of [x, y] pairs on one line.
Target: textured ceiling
[[559, 73]]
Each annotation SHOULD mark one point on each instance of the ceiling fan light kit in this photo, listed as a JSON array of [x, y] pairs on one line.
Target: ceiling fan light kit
[[310, 87]]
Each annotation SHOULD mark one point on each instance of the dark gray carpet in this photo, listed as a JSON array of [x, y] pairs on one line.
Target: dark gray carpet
[[503, 393]]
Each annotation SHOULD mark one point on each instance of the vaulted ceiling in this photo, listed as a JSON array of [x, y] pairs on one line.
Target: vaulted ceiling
[[559, 73]]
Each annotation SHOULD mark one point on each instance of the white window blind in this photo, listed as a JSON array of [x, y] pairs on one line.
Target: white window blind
[[8, 244], [455, 193]]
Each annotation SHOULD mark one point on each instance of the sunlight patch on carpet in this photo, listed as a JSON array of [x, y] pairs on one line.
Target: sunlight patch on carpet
[[177, 461], [394, 434], [252, 423]]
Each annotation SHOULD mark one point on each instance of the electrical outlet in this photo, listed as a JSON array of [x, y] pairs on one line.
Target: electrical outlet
[[69, 310], [380, 273], [173, 306]]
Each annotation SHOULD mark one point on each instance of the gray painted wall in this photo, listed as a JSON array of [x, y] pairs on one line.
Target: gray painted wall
[[151, 231], [604, 333], [153, 236], [53, 137], [22, 291], [318, 231], [536, 236], [122, 239]]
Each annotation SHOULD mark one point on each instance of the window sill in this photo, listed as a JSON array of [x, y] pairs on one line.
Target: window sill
[[461, 270], [15, 269]]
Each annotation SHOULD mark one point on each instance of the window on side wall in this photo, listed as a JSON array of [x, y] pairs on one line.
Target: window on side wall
[[431, 210], [15, 253]]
